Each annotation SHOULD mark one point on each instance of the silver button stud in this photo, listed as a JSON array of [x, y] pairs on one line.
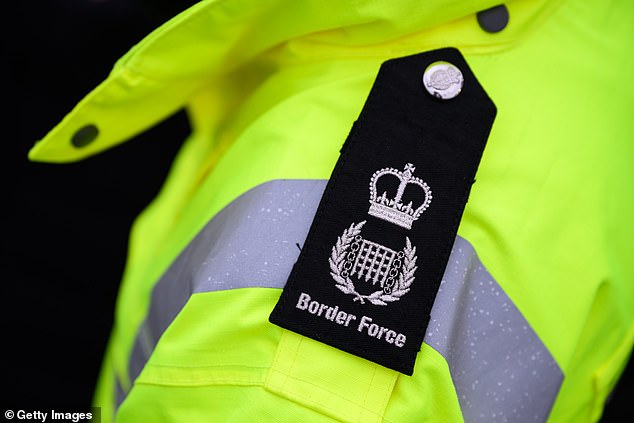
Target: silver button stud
[[443, 80]]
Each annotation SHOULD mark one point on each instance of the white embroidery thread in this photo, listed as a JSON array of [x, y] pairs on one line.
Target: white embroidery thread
[[392, 209], [392, 270], [349, 257]]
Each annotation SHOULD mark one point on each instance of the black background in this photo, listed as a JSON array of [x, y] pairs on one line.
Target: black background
[[66, 226], [65, 236]]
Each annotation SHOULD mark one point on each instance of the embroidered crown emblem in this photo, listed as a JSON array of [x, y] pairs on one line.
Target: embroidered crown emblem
[[392, 272], [392, 209]]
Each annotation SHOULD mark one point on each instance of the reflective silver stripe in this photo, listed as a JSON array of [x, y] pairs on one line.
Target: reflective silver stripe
[[119, 392], [500, 368], [253, 241]]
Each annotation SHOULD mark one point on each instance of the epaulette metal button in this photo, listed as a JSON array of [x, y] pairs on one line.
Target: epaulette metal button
[[443, 80]]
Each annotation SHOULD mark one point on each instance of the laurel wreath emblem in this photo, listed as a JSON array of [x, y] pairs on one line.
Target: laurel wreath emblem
[[344, 284]]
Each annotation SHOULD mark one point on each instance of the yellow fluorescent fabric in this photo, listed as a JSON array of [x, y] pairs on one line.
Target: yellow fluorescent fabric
[[251, 352], [350, 390], [273, 88]]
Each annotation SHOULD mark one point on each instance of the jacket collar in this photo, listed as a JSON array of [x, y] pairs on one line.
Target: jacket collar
[[215, 38]]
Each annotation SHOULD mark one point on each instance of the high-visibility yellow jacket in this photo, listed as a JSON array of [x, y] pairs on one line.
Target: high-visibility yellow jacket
[[535, 317]]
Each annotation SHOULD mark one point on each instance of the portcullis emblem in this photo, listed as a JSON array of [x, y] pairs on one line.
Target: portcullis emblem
[[373, 263]]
